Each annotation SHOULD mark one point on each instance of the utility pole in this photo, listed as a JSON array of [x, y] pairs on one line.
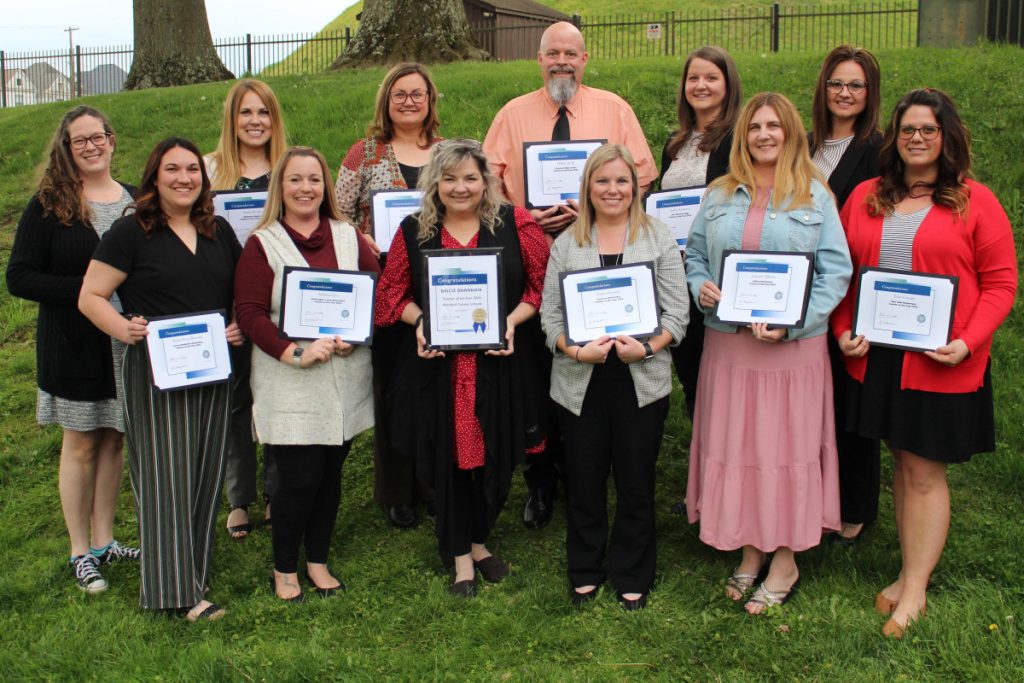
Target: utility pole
[[70, 30]]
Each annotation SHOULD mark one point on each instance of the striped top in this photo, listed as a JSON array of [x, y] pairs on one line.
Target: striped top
[[898, 231], [828, 155]]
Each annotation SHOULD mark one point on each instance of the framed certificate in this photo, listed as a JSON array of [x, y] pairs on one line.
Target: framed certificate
[[609, 301], [676, 209], [465, 299], [319, 303], [764, 287], [553, 170], [901, 310], [242, 209], [388, 209], [188, 350]]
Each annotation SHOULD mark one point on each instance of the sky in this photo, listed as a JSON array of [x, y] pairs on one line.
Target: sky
[[38, 25]]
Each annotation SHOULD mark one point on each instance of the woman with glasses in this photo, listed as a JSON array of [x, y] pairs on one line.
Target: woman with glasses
[[252, 139], [78, 374], [396, 148], [845, 142], [924, 214]]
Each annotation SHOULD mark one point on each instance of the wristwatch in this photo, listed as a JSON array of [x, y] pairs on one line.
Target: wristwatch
[[297, 356], [648, 351]]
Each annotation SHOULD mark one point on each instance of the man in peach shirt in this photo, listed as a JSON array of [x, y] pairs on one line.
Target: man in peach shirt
[[564, 109], [591, 114]]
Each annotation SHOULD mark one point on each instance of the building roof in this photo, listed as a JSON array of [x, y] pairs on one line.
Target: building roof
[[103, 79], [43, 75], [526, 8]]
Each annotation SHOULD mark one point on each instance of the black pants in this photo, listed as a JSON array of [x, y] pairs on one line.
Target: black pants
[[686, 357], [306, 501], [241, 466], [612, 435], [470, 520], [543, 470]]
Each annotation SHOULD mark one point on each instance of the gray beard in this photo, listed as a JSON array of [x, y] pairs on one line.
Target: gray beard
[[562, 90]]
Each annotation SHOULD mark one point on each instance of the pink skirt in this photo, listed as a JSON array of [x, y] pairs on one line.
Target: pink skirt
[[763, 464]]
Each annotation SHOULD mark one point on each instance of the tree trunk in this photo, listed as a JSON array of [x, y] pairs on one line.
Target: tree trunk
[[427, 31], [173, 45]]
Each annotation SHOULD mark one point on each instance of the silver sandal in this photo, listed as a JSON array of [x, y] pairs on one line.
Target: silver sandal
[[769, 598], [742, 583]]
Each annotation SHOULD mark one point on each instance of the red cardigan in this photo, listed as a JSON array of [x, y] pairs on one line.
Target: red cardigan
[[978, 250]]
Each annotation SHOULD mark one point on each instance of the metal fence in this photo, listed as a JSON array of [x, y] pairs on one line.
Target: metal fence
[[29, 78], [1006, 21]]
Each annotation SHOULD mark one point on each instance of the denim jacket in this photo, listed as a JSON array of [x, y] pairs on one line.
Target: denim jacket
[[719, 226]]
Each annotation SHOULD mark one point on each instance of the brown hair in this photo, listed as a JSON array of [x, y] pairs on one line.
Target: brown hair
[[148, 211], [867, 120], [949, 189], [273, 211], [382, 127], [728, 112], [228, 165], [60, 187]]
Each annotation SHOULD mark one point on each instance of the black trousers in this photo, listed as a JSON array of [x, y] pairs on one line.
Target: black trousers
[[241, 466], [860, 458], [306, 501], [470, 521], [543, 470], [686, 357], [612, 435]]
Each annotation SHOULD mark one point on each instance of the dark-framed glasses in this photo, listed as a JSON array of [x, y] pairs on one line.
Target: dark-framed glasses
[[836, 86], [97, 140], [417, 96], [928, 132]]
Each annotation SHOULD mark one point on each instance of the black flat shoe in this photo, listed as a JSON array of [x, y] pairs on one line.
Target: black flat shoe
[[463, 589], [578, 599], [491, 568], [540, 506], [402, 516], [847, 541], [327, 592], [632, 605], [273, 589]]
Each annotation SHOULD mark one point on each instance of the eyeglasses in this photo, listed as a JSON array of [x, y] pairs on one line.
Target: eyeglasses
[[417, 96], [927, 132], [97, 140], [855, 87]]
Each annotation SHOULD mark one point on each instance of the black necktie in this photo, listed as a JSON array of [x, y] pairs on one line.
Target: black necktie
[[561, 130]]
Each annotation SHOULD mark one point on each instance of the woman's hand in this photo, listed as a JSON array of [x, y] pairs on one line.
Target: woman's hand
[[136, 330], [596, 351], [629, 349], [510, 333], [343, 348], [762, 333], [421, 344], [854, 347], [234, 334], [951, 354], [708, 295], [318, 352]]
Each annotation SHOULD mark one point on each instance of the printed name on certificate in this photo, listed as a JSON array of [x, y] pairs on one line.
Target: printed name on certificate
[[187, 349], [461, 302], [612, 301], [903, 307], [561, 172], [327, 305], [762, 286]]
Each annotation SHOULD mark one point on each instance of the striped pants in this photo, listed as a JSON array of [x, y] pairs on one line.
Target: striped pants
[[176, 446]]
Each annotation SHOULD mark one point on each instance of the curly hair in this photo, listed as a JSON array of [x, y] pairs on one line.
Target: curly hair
[[148, 211], [954, 163], [867, 120], [727, 113], [446, 156], [60, 187]]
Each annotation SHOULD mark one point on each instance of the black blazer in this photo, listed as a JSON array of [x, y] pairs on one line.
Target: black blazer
[[858, 163], [48, 263], [718, 160]]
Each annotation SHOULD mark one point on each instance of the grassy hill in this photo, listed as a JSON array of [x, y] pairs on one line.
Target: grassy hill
[[397, 622]]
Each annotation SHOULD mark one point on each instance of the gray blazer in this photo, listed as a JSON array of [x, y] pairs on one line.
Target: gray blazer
[[652, 378]]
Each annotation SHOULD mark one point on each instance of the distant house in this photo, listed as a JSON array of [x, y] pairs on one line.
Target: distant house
[[51, 85], [103, 79], [18, 89], [510, 29]]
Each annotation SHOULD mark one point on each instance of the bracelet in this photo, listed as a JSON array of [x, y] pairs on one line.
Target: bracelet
[[578, 354], [418, 320]]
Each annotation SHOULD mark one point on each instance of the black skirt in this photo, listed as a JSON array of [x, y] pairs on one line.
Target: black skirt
[[936, 426]]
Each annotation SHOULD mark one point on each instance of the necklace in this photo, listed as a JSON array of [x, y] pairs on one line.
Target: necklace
[[619, 256]]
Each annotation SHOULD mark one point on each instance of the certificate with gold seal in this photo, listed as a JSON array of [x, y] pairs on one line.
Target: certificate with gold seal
[[464, 302]]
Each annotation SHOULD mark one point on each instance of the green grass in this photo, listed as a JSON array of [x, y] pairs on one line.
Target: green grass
[[397, 622]]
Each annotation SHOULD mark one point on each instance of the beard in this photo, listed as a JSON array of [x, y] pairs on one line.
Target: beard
[[562, 90]]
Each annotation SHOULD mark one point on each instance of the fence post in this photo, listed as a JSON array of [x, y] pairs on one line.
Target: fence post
[[78, 69], [775, 26], [672, 31], [348, 36], [248, 54], [576, 20], [3, 80]]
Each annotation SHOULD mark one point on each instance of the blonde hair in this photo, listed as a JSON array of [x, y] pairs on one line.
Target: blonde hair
[[273, 211], [638, 220], [228, 164], [794, 169], [446, 156]]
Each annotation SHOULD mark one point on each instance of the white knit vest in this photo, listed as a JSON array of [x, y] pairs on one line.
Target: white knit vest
[[327, 403]]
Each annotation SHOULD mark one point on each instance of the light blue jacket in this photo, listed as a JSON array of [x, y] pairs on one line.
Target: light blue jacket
[[719, 226]]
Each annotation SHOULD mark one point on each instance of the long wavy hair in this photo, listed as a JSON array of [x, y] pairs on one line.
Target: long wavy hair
[[228, 164], [148, 211], [60, 186], [383, 128], [446, 156], [867, 121], [639, 221], [794, 169], [949, 189], [273, 210], [727, 113]]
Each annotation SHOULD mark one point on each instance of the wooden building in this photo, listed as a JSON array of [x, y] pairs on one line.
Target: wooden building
[[510, 29]]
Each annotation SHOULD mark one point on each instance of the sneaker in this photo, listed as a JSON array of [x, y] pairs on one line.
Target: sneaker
[[114, 552], [87, 573]]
